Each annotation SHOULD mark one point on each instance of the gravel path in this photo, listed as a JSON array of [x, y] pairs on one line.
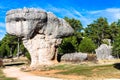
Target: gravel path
[[15, 72]]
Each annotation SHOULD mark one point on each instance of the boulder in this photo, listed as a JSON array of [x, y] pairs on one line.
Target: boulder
[[104, 52], [40, 31], [74, 57]]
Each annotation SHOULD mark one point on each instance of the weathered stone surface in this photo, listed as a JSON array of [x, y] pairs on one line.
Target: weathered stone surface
[[23, 22], [28, 22], [43, 49], [41, 31], [104, 52], [74, 57]]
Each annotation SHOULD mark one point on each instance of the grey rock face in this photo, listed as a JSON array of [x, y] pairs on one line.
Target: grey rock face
[[24, 22], [41, 31], [74, 57], [104, 52], [28, 22]]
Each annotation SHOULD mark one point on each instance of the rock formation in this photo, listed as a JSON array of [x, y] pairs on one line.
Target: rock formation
[[41, 32], [104, 52], [74, 57]]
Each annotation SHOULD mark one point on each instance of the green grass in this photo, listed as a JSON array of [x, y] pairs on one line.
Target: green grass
[[69, 69], [2, 76]]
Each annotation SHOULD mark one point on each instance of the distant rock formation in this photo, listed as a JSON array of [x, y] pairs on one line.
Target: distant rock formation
[[74, 57], [78, 57], [41, 32], [104, 52]]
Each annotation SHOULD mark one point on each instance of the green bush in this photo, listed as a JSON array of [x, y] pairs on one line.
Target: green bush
[[87, 45], [68, 45], [116, 47], [105, 41], [27, 54]]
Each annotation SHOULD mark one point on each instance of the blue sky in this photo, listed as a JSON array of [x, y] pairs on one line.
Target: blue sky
[[84, 10]]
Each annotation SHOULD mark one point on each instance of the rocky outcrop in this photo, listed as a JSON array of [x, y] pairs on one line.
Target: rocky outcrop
[[104, 52], [74, 57], [78, 57], [41, 32]]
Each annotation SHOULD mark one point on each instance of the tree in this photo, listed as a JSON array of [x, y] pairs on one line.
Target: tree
[[114, 30], [8, 46], [75, 24], [70, 44], [116, 46], [98, 30], [87, 45]]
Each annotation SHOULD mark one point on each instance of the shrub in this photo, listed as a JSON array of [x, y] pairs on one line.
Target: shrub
[[87, 45], [27, 54], [116, 46]]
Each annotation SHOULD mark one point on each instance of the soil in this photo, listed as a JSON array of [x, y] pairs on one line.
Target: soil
[[17, 73], [52, 73], [14, 71], [48, 75]]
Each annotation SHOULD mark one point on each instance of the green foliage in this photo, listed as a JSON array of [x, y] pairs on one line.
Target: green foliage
[[7, 43], [116, 46], [115, 37], [75, 24], [114, 30], [27, 54], [9, 46], [87, 45], [70, 44], [2, 50], [105, 42], [98, 30]]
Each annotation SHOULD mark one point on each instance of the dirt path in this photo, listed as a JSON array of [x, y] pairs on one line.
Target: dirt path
[[15, 72]]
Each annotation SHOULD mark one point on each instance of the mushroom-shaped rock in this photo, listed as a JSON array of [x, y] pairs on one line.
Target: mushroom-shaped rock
[[41, 32]]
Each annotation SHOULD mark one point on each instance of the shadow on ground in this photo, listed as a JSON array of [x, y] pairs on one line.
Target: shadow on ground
[[14, 64], [117, 66]]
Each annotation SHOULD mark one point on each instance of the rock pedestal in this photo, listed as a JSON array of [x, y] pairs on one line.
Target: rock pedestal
[[41, 32]]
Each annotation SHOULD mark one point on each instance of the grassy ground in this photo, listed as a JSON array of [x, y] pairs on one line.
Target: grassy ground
[[98, 71], [2, 76]]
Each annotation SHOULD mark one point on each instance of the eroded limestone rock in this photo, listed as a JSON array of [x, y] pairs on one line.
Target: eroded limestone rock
[[104, 52], [74, 57], [41, 31]]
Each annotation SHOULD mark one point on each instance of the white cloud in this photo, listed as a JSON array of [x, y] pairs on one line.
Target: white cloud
[[113, 10], [69, 12], [86, 17], [112, 14]]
